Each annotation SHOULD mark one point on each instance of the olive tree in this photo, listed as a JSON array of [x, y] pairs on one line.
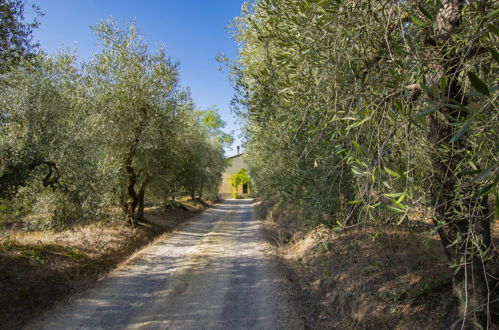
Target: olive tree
[[134, 105], [47, 156], [16, 42], [362, 111]]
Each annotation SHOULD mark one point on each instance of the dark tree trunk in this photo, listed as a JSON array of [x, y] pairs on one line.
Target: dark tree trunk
[[463, 222], [132, 178], [141, 194], [132, 198]]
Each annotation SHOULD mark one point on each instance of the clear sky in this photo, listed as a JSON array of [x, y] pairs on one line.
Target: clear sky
[[192, 31]]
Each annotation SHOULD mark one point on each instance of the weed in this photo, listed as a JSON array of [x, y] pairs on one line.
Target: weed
[[39, 268], [377, 277], [352, 245], [32, 254], [426, 287]]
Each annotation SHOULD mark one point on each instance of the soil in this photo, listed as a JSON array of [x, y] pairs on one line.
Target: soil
[[363, 278], [212, 273], [41, 269]]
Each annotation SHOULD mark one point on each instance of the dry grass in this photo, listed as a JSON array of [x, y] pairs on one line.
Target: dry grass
[[38, 269], [386, 278]]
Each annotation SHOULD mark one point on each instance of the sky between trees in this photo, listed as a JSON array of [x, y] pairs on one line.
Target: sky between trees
[[193, 33]]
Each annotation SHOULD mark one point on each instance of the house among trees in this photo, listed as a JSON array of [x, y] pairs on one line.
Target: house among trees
[[235, 182]]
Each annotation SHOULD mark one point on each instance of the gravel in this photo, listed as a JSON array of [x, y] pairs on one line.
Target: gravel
[[213, 273]]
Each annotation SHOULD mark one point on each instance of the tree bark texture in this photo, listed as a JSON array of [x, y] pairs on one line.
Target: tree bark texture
[[141, 195], [463, 222], [132, 178]]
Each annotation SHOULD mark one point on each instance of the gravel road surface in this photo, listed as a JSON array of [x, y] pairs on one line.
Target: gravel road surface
[[211, 274]]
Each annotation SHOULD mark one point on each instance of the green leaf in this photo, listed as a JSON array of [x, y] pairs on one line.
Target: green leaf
[[401, 174], [491, 14], [416, 20], [356, 171], [402, 218], [443, 86], [473, 93], [485, 173], [457, 107], [398, 204], [373, 175], [395, 209], [399, 106], [401, 199], [478, 84], [494, 54], [359, 148], [436, 90], [487, 189], [461, 132], [416, 123], [354, 125], [394, 195], [425, 113], [361, 163], [494, 29], [425, 12], [391, 172], [427, 90]]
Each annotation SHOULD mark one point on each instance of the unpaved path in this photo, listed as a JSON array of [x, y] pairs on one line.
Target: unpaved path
[[211, 274]]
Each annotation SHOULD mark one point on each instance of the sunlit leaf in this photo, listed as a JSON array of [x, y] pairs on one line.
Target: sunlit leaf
[[392, 172], [396, 209], [491, 14], [359, 148], [394, 195], [416, 20]]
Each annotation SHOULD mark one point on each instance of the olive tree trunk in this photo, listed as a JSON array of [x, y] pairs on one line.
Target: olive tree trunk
[[132, 198], [140, 195], [463, 222]]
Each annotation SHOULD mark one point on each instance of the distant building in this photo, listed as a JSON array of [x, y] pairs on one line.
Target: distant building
[[236, 163]]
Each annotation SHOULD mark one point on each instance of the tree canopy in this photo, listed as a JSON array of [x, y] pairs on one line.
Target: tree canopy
[[239, 178], [79, 140], [373, 111], [15, 34]]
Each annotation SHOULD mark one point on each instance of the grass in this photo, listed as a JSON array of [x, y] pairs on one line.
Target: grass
[[385, 277], [40, 269]]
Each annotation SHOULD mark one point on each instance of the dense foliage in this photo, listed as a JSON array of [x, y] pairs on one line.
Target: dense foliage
[[379, 112], [239, 178], [15, 33], [79, 142]]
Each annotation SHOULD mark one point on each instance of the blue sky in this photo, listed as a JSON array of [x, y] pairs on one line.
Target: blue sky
[[192, 31]]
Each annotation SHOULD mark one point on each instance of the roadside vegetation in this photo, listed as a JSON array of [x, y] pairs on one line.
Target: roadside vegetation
[[82, 141], [96, 158], [42, 269], [379, 117]]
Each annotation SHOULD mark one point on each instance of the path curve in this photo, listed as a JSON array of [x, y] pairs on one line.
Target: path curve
[[211, 274]]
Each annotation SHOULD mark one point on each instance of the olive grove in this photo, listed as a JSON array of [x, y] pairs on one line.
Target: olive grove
[[82, 140], [379, 112]]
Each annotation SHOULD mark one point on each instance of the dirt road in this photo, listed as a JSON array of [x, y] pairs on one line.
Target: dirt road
[[211, 274]]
